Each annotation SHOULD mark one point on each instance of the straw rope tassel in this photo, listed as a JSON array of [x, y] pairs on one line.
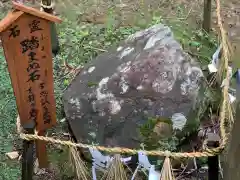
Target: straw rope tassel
[[78, 165], [167, 172], [116, 170]]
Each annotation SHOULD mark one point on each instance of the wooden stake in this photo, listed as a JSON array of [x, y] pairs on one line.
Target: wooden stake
[[41, 150], [207, 15], [54, 37], [28, 157], [213, 162], [232, 160]]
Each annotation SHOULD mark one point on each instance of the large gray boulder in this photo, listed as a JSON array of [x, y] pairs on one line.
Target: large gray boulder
[[147, 75]]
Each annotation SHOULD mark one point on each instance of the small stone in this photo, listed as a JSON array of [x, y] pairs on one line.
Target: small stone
[[66, 134], [91, 69], [204, 167], [228, 15], [12, 155], [213, 137], [41, 171], [121, 5]]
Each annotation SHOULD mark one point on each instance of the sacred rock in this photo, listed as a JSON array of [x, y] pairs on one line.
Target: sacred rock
[[148, 75]]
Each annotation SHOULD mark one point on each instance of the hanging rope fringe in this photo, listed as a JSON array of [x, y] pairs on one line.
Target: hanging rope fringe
[[167, 172], [116, 170], [78, 165]]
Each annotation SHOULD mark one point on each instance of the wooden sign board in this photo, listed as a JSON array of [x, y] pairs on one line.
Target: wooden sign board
[[26, 40]]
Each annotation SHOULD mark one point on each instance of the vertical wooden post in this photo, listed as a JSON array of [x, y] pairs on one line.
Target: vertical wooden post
[[41, 152], [232, 160], [41, 145], [48, 8], [207, 15], [28, 157], [213, 162]]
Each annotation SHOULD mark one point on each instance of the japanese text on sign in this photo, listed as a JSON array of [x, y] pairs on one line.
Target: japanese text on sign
[[14, 31], [44, 102], [28, 48], [33, 111]]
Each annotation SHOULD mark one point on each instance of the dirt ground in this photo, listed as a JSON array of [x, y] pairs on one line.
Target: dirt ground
[[126, 13]]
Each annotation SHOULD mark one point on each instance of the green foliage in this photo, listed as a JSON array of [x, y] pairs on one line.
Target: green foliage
[[7, 123], [61, 161], [9, 170], [147, 128], [151, 140]]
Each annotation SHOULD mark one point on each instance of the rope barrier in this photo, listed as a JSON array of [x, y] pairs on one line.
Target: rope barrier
[[121, 150], [205, 153]]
